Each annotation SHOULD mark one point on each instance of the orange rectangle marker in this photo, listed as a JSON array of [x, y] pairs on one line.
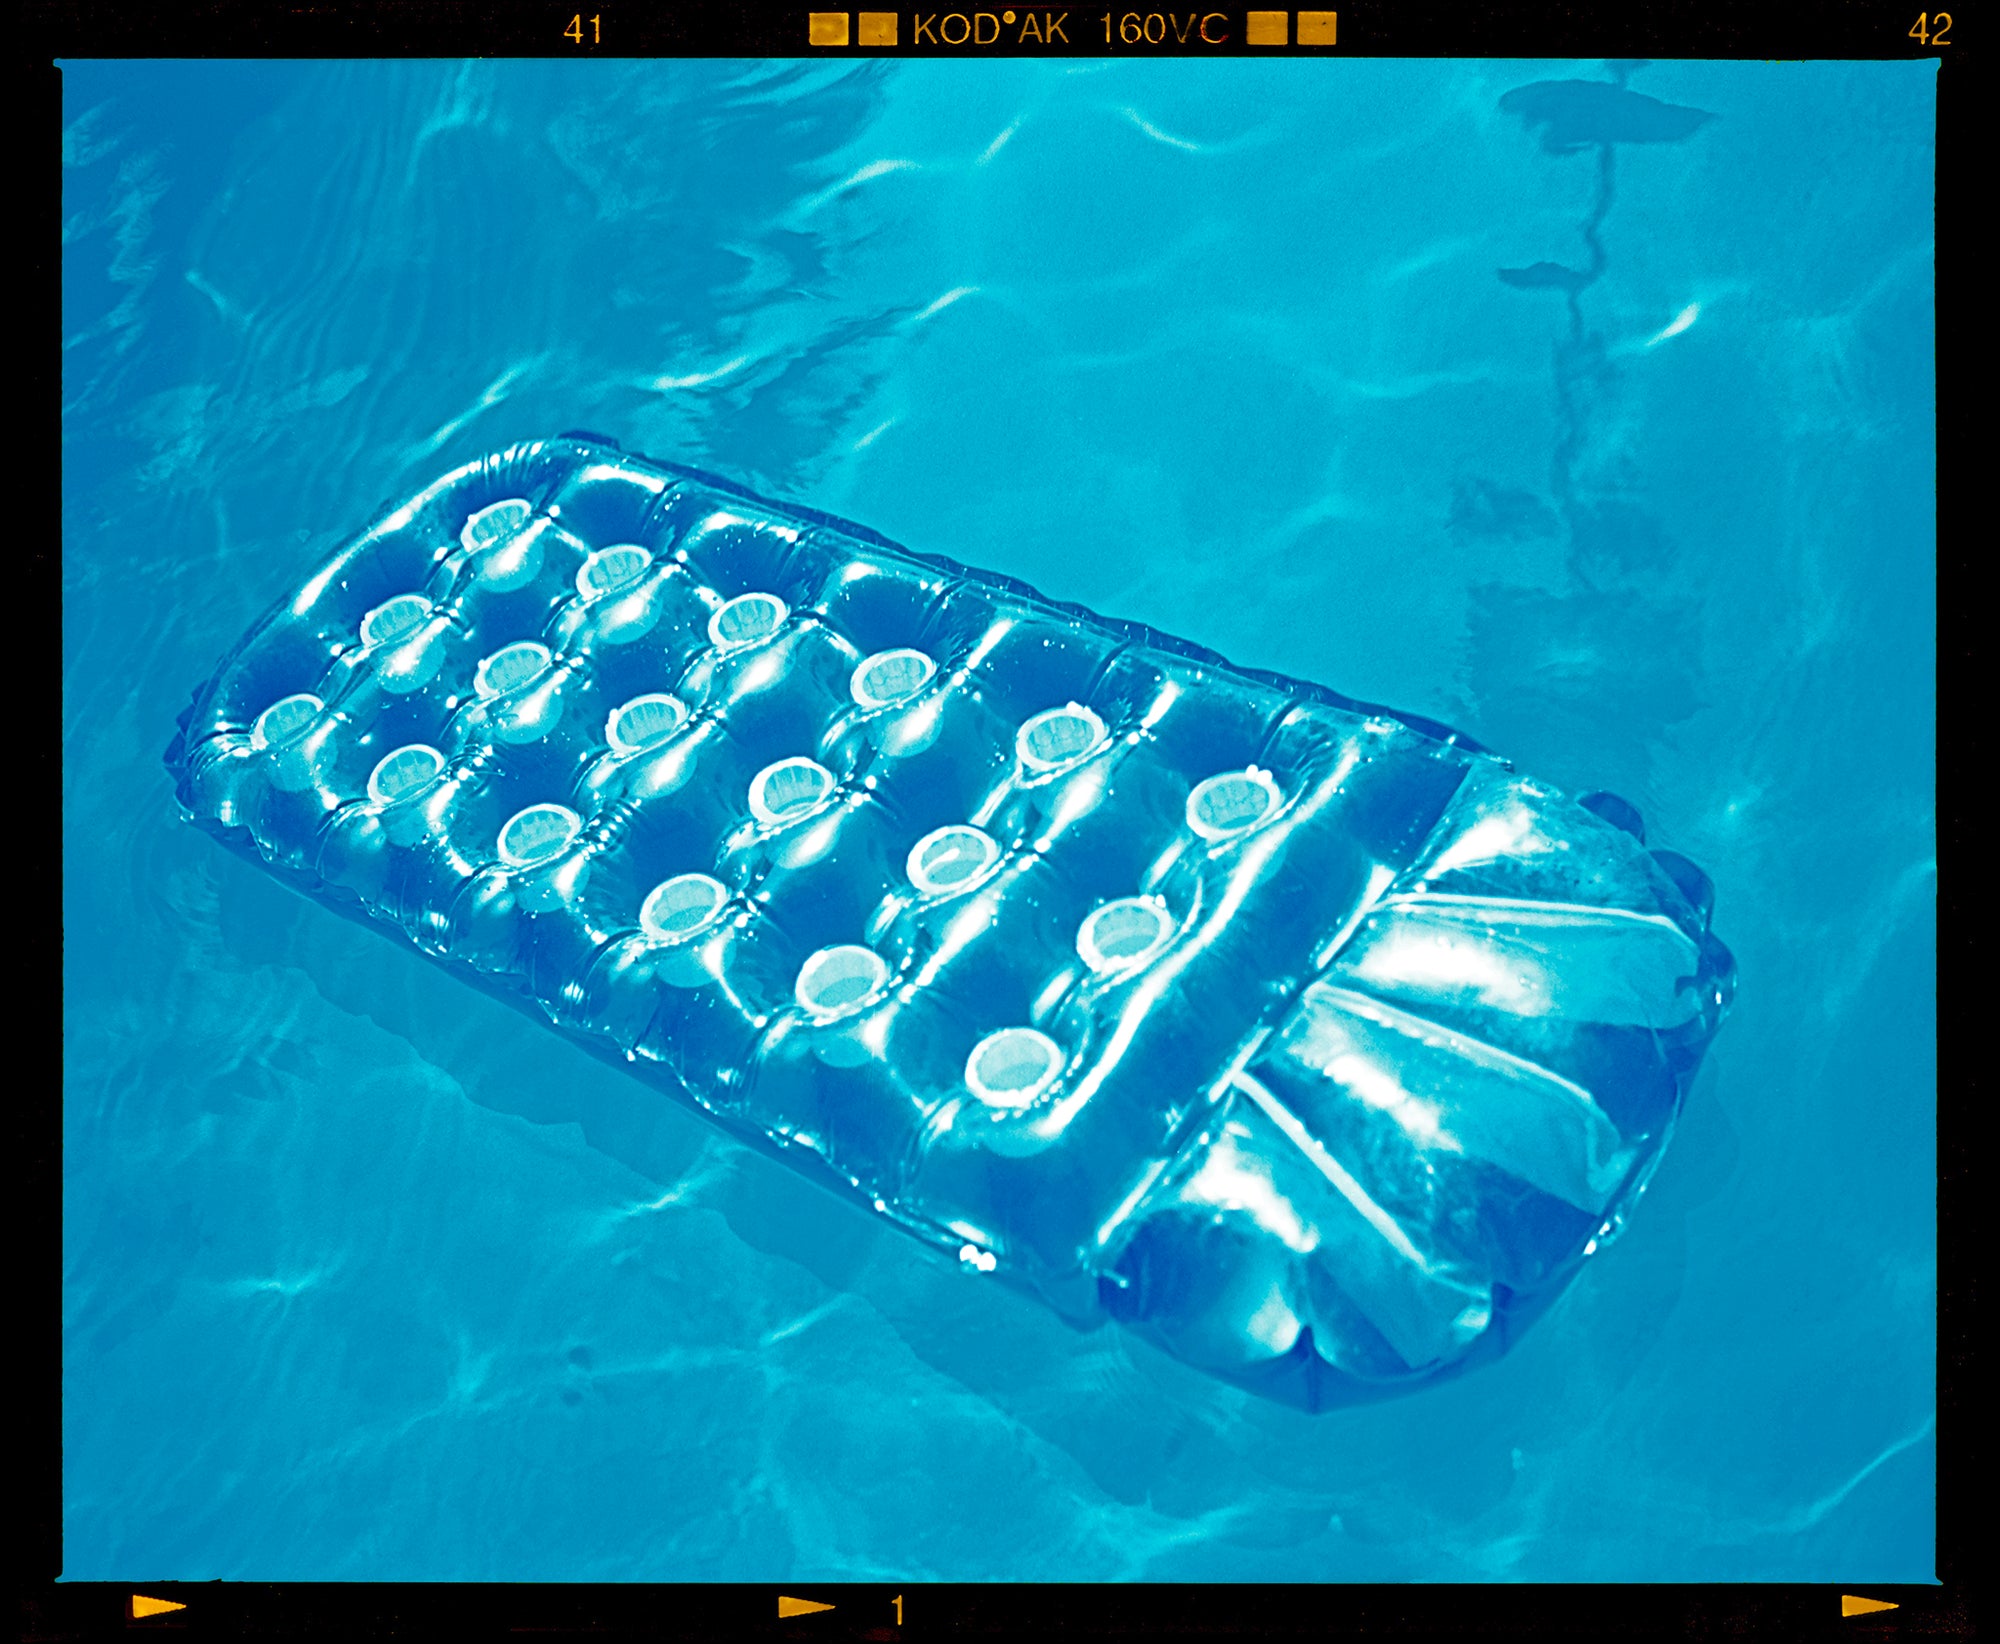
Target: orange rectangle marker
[[1268, 28]]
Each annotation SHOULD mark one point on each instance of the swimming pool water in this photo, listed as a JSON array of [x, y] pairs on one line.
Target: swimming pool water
[[1585, 406]]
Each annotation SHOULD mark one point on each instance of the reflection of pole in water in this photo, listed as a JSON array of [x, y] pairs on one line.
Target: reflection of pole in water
[[1611, 649], [1572, 116]]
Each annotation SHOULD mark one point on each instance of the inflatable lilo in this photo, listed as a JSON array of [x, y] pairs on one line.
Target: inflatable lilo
[[1305, 1038]]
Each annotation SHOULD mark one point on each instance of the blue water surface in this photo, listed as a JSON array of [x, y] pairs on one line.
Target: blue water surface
[[1585, 406]]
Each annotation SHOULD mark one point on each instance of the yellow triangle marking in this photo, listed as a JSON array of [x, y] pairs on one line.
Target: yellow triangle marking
[[1850, 1605], [142, 1605], [798, 1606]]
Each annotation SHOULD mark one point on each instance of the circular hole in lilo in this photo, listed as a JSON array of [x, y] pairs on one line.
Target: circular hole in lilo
[[511, 667], [748, 619], [495, 524], [404, 773], [1232, 803], [1009, 1069], [286, 720], [394, 619], [1123, 934], [677, 908], [889, 677], [644, 722], [788, 790], [537, 833], [1059, 737], [949, 858], [836, 978], [610, 569]]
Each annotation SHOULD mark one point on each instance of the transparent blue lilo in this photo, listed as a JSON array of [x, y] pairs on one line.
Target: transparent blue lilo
[[1304, 1038]]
